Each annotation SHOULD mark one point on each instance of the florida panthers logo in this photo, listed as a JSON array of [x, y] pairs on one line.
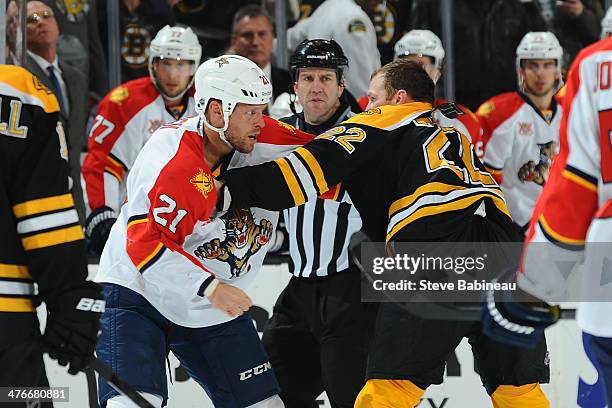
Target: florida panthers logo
[[243, 238], [538, 173]]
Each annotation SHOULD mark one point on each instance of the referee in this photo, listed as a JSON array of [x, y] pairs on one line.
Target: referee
[[317, 336]]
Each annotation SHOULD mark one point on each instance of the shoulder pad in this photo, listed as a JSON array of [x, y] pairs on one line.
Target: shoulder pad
[[119, 94], [20, 83]]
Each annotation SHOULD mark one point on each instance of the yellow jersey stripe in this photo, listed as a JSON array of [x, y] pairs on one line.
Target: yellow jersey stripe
[[434, 187], [47, 239], [388, 115], [14, 271], [151, 256], [115, 162], [579, 180], [140, 221], [16, 305], [459, 204], [315, 168], [555, 235], [337, 193], [41, 205], [111, 171], [29, 88], [291, 181]]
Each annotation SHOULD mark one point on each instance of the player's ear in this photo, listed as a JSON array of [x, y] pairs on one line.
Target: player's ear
[[342, 86], [215, 113], [401, 97]]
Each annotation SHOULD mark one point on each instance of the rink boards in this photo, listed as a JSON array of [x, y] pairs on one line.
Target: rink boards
[[573, 377]]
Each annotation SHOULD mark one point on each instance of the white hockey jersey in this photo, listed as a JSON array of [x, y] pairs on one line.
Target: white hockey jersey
[[168, 241], [575, 208], [126, 119], [521, 144], [345, 22]]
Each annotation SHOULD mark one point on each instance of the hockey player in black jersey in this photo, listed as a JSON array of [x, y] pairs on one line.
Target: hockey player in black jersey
[[42, 241], [410, 180], [310, 355]]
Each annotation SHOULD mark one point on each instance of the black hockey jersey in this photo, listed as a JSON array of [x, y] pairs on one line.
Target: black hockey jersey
[[42, 240], [410, 179]]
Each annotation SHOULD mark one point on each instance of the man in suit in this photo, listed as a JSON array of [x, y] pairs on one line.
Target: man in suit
[[68, 84], [253, 38]]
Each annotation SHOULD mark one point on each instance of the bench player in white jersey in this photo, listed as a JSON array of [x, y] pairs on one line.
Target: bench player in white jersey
[[572, 219], [126, 119], [174, 270], [606, 24], [424, 47], [521, 129]]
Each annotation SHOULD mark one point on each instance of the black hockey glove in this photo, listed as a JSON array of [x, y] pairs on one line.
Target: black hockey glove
[[97, 228], [516, 322], [73, 322]]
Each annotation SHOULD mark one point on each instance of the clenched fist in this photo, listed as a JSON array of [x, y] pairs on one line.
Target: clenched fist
[[230, 299]]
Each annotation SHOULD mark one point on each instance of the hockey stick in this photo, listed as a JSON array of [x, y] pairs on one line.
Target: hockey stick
[[92, 388], [420, 305], [118, 383]]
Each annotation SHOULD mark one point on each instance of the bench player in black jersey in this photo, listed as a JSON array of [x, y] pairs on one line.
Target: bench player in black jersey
[[42, 242]]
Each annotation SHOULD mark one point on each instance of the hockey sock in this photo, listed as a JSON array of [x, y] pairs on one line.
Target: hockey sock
[[389, 394], [524, 396]]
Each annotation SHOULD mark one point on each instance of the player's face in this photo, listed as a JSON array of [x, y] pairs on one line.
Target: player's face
[[245, 124], [377, 94], [539, 75], [172, 75], [254, 40], [319, 93], [41, 26], [427, 64]]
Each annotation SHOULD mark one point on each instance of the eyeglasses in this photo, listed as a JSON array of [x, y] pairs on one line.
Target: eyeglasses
[[34, 18]]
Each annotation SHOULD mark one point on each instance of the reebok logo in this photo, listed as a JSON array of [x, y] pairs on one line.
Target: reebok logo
[[262, 368], [91, 305]]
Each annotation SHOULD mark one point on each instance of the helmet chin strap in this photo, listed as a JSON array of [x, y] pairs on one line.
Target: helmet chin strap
[[220, 131]]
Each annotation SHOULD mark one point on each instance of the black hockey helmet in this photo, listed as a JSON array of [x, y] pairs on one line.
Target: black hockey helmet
[[318, 53]]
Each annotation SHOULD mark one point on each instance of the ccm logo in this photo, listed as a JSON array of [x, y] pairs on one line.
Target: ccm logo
[[88, 304], [262, 368]]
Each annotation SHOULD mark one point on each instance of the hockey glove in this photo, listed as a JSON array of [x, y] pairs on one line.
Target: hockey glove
[[513, 322], [72, 328], [97, 228]]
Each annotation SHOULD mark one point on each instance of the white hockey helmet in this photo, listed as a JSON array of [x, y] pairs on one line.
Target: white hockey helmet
[[422, 43], [539, 45], [177, 43], [231, 79], [606, 24]]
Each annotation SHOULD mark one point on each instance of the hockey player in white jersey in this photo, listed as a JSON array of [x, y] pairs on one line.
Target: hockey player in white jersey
[[572, 219], [521, 129], [174, 270], [126, 119], [606, 24]]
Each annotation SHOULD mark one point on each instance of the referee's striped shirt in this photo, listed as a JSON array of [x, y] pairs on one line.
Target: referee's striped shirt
[[320, 230]]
